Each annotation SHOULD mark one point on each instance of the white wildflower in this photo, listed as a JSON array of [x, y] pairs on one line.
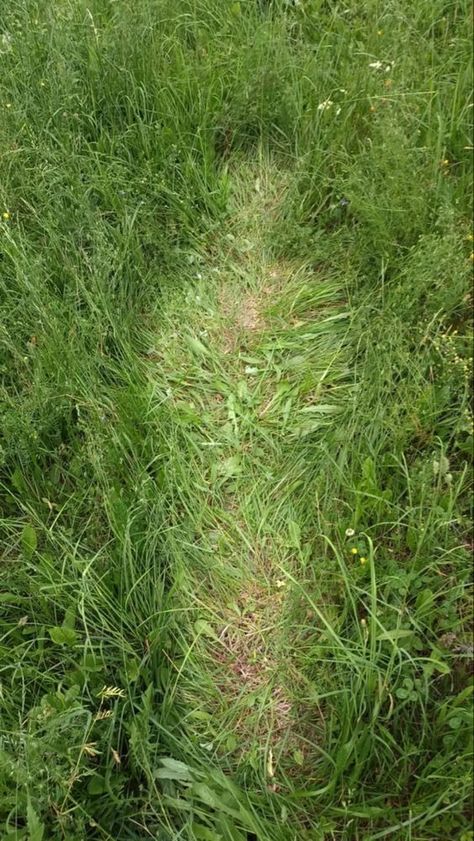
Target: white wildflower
[[5, 43], [381, 65], [323, 106], [350, 532]]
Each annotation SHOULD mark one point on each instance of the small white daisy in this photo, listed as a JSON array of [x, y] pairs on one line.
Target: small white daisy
[[323, 106]]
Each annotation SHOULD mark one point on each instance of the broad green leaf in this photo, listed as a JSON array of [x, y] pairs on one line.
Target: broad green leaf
[[424, 600], [464, 695], [402, 693], [204, 629], [441, 467], [321, 409], [242, 391], [196, 346], [29, 540], [17, 481], [132, 668], [412, 538], [11, 598], [295, 534], [230, 467], [70, 617], [173, 769], [35, 825], [200, 715], [298, 756], [231, 742], [436, 664], [368, 470], [202, 833], [63, 636], [396, 634], [211, 798], [96, 785], [186, 414]]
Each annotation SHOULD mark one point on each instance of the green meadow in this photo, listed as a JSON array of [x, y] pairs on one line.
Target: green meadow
[[236, 430]]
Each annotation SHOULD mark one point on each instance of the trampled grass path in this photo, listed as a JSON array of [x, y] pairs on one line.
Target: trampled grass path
[[236, 420], [250, 363]]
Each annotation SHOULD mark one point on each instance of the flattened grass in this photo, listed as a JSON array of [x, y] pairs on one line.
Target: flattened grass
[[235, 323]]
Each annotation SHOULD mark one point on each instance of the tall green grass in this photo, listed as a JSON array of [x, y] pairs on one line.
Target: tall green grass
[[120, 128]]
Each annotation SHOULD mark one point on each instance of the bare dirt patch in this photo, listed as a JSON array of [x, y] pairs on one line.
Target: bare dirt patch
[[249, 316], [241, 317], [245, 314], [250, 662]]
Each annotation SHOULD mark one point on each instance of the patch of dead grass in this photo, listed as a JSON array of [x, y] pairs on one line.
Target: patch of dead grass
[[248, 660], [241, 316], [244, 316]]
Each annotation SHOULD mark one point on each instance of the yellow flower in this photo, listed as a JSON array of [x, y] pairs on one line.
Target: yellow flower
[[445, 162], [5, 215], [471, 255], [363, 561], [354, 551], [470, 237]]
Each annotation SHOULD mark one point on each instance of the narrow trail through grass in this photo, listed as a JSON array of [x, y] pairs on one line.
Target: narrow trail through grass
[[249, 361], [236, 424]]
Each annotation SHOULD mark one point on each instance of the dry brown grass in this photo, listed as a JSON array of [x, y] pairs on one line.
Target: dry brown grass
[[243, 317], [249, 660]]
